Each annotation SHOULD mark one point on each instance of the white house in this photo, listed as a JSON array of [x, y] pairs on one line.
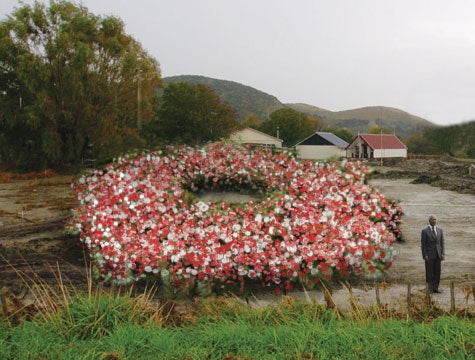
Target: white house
[[255, 137], [321, 145], [376, 146]]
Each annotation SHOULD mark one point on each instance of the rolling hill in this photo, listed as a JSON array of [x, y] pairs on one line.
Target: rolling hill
[[362, 119], [246, 99]]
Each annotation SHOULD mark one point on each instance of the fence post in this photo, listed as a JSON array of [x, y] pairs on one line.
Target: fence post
[[452, 297], [427, 295], [378, 300], [408, 297]]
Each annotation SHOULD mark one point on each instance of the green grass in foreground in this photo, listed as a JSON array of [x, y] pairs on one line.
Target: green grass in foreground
[[113, 326]]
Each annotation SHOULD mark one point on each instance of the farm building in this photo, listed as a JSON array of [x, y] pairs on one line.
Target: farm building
[[321, 145], [376, 146], [255, 137]]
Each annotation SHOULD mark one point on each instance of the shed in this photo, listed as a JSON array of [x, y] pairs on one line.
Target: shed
[[255, 137], [321, 145], [376, 146]]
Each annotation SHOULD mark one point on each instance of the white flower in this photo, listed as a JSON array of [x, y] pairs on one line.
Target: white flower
[[163, 273], [203, 207], [291, 248]]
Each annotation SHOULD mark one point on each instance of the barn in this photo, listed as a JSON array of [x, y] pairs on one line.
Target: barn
[[376, 146], [255, 137], [321, 145]]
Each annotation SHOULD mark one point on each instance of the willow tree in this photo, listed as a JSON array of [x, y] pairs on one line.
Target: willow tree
[[72, 85]]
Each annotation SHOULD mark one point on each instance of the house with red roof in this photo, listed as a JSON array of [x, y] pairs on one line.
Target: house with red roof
[[376, 146]]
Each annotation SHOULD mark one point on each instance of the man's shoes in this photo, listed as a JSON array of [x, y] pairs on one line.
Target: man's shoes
[[431, 291], [437, 291]]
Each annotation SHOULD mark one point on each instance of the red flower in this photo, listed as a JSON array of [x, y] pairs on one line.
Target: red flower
[[138, 219]]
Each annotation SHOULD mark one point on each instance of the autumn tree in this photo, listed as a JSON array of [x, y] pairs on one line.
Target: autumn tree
[[419, 144], [72, 85], [292, 125], [193, 114], [380, 130], [252, 121], [344, 133]]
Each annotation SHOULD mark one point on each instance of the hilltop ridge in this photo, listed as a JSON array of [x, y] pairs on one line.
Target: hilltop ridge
[[246, 99]]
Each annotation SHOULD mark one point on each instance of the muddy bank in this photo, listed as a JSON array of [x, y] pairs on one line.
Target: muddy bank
[[33, 241]]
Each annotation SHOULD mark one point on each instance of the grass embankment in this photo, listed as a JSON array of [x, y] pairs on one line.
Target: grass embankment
[[112, 326]]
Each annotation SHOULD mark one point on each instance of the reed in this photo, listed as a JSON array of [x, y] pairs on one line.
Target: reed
[[124, 323]]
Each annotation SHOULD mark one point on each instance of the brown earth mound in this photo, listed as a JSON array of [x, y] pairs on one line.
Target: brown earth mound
[[439, 173]]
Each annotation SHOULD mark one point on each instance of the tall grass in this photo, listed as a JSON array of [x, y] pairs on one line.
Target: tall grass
[[119, 326], [98, 323]]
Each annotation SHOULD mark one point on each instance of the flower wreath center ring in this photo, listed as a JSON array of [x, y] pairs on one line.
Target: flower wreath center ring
[[141, 217]]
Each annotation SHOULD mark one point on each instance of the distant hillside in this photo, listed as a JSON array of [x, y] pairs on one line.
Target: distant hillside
[[403, 123], [244, 99]]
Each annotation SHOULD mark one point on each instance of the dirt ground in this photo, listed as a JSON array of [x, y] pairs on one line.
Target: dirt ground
[[34, 243]]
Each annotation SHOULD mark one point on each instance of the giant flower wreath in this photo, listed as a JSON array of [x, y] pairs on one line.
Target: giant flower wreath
[[308, 221]]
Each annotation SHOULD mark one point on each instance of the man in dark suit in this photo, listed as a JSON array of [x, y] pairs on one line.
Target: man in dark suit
[[433, 252]]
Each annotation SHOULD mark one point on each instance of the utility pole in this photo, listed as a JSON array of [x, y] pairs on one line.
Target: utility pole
[[139, 103]]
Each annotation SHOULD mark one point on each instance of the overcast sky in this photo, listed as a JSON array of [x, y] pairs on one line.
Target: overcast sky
[[415, 55]]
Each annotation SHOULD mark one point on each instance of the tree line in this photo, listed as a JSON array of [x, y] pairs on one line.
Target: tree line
[[454, 140], [74, 86]]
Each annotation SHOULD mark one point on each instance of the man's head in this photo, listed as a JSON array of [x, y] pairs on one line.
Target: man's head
[[432, 220]]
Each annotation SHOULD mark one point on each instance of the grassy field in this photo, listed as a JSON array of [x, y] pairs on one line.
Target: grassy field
[[109, 325]]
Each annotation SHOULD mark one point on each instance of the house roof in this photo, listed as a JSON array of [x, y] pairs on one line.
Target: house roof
[[381, 141], [324, 138], [256, 132]]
